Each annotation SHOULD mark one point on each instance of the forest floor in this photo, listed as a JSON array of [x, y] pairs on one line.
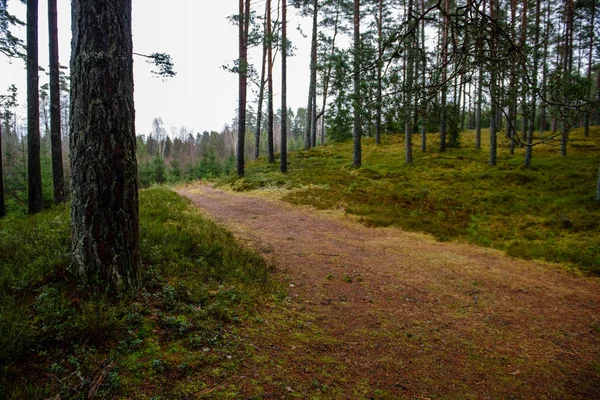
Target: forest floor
[[382, 313]]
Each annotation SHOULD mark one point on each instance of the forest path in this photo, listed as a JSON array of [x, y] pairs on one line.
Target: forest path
[[382, 313]]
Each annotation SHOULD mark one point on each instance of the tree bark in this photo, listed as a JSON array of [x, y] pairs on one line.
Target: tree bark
[[423, 73], [283, 158], [58, 179], [357, 157], [34, 168], [271, 117], [104, 210]]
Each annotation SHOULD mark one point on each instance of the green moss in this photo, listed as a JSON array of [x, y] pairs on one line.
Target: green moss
[[547, 212]]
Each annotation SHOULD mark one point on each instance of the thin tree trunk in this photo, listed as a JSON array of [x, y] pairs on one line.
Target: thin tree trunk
[[598, 187], [357, 158], [493, 90], [478, 110], [444, 60], [534, 87], [309, 108], [308, 143], [271, 117], [586, 131], [512, 107], [283, 164], [261, 95], [104, 210], [567, 68], [545, 71], [55, 133], [328, 76], [408, 107], [34, 169], [2, 205], [423, 72], [313, 140], [244, 22], [379, 73]]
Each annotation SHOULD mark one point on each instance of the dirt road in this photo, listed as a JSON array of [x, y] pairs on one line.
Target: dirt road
[[387, 314]]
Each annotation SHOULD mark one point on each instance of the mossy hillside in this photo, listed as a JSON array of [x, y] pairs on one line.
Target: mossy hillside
[[58, 338], [546, 212]]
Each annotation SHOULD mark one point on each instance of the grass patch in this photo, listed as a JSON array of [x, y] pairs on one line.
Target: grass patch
[[56, 338], [547, 212]]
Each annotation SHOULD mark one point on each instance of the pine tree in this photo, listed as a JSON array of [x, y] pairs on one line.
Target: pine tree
[[34, 169], [55, 131], [104, 210]]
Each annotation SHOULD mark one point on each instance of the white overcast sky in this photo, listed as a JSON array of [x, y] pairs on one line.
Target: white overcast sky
[[200, 40]]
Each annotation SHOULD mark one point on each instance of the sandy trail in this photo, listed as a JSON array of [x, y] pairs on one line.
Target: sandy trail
[[417, 318]]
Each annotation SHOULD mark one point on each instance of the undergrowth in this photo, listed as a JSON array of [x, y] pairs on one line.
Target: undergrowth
[[547, 212], [58, 339]]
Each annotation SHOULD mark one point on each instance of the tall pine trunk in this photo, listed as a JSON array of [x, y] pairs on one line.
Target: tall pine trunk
[[58, 179], [283, 158], [357, 156], [443, 111], [408, 106], [493, 89], [244, 22], [34, 168], [271, 116], [327, 77], [586, 122], [313, 141], [2, 205], [534, 87], [379, 73], [105, 249], [423, 73], [261, 95]]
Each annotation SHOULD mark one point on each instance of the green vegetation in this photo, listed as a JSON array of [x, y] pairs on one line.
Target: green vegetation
[[57, 338], [547, 212]]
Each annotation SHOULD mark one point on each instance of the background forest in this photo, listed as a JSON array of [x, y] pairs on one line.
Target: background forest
[[424, 67]]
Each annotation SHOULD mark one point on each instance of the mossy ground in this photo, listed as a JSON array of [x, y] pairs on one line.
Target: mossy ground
[[177, 336], [546, 212]]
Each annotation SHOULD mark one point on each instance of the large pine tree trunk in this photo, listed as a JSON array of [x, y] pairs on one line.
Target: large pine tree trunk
[[34, 168], [283, 156], [104, 191], [55, 134], [271, 117], [357, 157]]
